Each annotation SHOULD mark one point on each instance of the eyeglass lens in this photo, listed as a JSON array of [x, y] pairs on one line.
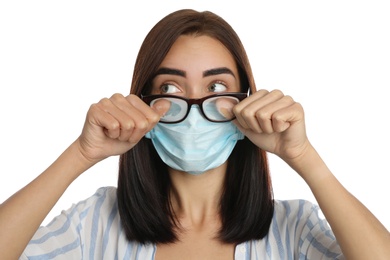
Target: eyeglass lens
[[218, 109]]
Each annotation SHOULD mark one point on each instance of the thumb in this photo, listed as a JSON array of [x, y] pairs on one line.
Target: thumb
[[259, 139], [161, 106], [241, 128]]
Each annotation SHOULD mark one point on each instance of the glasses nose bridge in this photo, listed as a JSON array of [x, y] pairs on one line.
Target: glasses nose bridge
[[196, 101]]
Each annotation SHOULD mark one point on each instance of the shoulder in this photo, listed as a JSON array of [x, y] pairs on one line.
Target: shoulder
[[294, 208], [102, 194], [297, 216], [107, 193], [99, 204], [90, 229], [73, 227], [102, 203], [299, 228], [85, 213], [296, 213], [103, 199]]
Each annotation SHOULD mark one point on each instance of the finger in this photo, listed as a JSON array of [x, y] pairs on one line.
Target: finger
[[161, 106], [152, 115], [268, 114], [225, 106], [138, 118], [124, 123], [287, 116], [241, 110], [257, 113], [147, 117], [97, 115], [243, 130]]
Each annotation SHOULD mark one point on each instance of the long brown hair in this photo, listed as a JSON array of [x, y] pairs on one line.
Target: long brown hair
[[246, 205]]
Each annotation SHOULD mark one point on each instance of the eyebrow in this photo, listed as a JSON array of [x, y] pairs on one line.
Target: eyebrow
[[182, 73], [218, 71], [170, 71]]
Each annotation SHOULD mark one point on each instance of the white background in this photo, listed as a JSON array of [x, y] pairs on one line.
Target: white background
[[59, 57]]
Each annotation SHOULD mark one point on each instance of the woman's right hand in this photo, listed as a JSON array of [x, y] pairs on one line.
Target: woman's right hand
[[112, 127], [115, 125]]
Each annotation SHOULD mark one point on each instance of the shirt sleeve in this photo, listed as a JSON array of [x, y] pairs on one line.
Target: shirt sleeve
[[65, 236]]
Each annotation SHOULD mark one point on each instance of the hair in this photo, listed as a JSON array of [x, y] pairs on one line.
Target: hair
[[246, 204]]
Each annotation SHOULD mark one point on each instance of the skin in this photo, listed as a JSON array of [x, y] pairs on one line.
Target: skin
[[271, 120]]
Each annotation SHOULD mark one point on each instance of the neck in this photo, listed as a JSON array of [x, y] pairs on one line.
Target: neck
[[195, 198]]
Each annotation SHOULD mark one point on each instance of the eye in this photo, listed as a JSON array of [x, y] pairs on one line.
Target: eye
[[217, 87], [169, 89]]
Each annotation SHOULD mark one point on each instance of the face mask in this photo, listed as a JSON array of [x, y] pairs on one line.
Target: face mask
[[194, 145]]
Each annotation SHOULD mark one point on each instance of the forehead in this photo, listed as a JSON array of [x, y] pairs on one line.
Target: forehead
[[199, 51]]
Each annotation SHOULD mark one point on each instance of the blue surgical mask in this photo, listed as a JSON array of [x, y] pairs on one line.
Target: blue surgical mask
[[194, 145]]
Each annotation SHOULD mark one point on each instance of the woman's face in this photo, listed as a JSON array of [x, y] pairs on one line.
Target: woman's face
[[196, 66]]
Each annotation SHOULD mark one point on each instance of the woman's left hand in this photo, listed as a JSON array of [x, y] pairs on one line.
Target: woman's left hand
[[274, 122]]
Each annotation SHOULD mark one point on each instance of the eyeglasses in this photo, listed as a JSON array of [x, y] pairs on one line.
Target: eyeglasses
[[215, 108]]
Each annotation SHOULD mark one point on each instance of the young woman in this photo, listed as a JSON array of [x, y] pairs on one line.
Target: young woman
[[193, 179]]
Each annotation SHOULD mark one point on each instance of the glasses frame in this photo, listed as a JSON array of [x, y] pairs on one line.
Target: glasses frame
[[197, 101]]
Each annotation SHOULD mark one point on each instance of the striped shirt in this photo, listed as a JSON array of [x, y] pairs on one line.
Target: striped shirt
[[91, 229]]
